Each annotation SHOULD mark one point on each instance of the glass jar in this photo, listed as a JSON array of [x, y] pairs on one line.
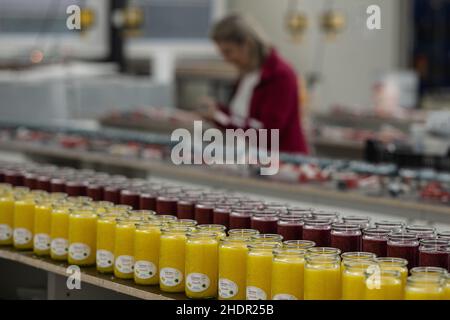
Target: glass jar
[[424, 287], [124, 247], [240, 219], [59, 232], [147, 201], [270, 238], [346, 237], [322, 274], [129, 198], [429, 272], [112, 194], [383, 284], [218, 229], [422, 232], [325, 215], [23, 224], [362, 222], [375, 240], [6, 219], [243, 233], [143, 214], [201, 265], [264, 222], [288, 274], [404, 245], [233, 266], [186, 209], [290, 226], [394, 226], [434, 253], [447, 288], [354, 278], [183, 222], [204, 212], [42, 225], [57, 185], [166, 205], [146, 252], [172, 256], [75, 188], [395, 264], [43, 183], [95, 191], [106, 230], [82, 237], [221, 215], [318, 230], [299, 244], [259, 270]]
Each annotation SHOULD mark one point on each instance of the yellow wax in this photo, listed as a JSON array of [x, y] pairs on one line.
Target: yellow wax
[[353, 285], [424, 292], [59, 233], [201, 268], [392, 267], [323, 282], [232, 271], [146, 255], [124, 250], [447, 291], [23, 224], [82, 239], [6, 220], [42, 227], [172, 262], [259, 275], [288, 278], [106, 229], [387, 288]]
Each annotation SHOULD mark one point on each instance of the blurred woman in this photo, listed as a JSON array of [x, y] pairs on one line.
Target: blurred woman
[[267, 93]]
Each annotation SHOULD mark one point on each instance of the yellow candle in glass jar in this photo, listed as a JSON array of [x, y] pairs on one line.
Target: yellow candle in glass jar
[[447, 288], [217, 228], [288, 274], [383, 285], [201, 266], [23, 224], [124, 248], [395, 264], [322, 274], [6, 219], [259, 270], [59, 232], [423, 287], [233, 268], [354, 279], [146, 253], [42, 228], [82, 237], [172, 260], [106, 230]]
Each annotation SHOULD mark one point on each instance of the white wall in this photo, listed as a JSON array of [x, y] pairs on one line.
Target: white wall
[[352, 62]]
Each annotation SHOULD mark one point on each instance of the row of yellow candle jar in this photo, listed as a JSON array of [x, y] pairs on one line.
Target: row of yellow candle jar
[[428, 283]]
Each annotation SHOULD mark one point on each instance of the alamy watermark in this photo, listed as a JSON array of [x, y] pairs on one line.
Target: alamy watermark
[[234, 146], [74, 277]]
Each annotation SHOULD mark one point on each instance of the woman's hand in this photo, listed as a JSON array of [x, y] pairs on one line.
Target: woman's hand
[[207, 108]]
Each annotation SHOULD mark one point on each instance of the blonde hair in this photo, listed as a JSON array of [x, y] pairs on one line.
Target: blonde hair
[[240, 29]]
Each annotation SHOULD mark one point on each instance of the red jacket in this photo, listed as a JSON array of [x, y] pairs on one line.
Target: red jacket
[[275, 104]]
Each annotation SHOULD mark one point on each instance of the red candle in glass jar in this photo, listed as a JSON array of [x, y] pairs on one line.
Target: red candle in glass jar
[[434, 253], [112, 194], [186, 209], [346, 237], [57, 185], [147, 201], [375, 241], [166, 205], [75, 189], [362, 222], [290, 226], [204, 212], [394, 226], [325, 215], [240, 219], [30, 181], [43, 183], [404, 245], [95, 191], [422, 232], [221, 215], [265, 222], [318, 230], [129, 198], [14, 178]]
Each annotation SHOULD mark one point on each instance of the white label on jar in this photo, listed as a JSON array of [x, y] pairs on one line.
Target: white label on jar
[[105, 259], [170, 277], [22, 236], [42, 241], [125, 264], [255, 293], [284, 296], [227, 288], [59, 246], [5, 232], [197, 282], [144, 269], [79, 251]]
